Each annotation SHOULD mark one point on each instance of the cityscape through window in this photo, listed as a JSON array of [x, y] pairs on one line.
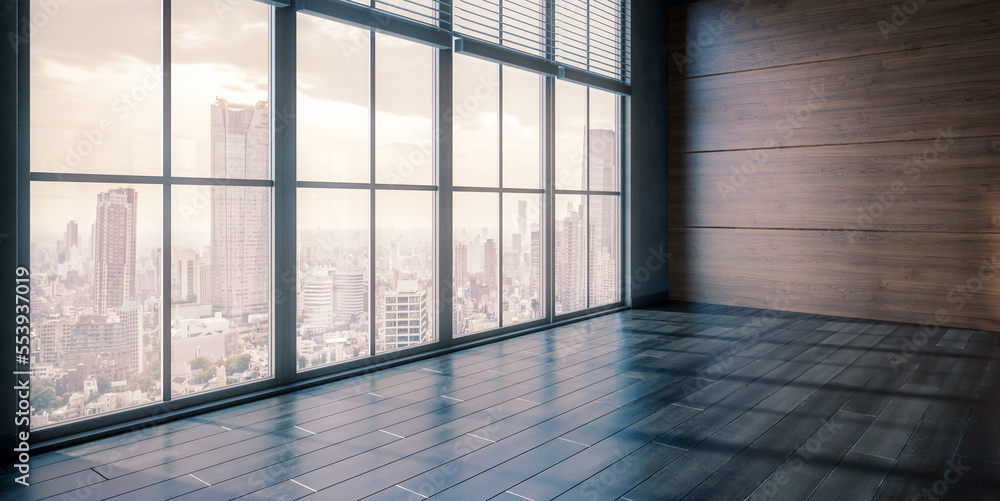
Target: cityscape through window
[[422, 212]]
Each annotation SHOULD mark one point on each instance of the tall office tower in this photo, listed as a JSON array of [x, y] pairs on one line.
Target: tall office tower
[[71, 239], [348, 294], [241, 215], [536, 265], [522, 218], [186, 270], [571, 261], [157, 257], [317, 299], [490, 264], [601, 158], [114, 249], [406, 317], [461, 275]]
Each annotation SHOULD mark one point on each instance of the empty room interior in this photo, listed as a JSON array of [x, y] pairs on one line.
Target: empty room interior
[[635, 250]]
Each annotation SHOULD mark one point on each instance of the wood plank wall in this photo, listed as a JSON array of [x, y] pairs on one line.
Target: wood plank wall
[[837, 157]]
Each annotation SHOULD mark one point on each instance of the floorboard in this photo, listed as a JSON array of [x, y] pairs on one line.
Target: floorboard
[[684, 401]]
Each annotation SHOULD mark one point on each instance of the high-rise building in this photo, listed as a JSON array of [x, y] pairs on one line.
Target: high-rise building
[[536, 265], [114, 249], [461, 263], [241, 215], [490, 264], [317, 300], [522, 219], [601, 158], [571, 261], [349, 297], [407, 322]]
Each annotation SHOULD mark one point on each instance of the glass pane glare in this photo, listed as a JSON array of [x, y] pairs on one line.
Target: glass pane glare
[[476, 266], [571, 253], [521, 129], [570, 132], [476, 121], [332, 113], [333, 293], [604, 244], [95, 299], [96, 86], [219, 90], [522, 258], [602, 141], [404, 139], [404, 269], [220, 287]]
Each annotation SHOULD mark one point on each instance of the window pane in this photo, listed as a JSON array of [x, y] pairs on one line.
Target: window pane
[[476, 264], [571, 253], [219, 90], [521, 129], [476, 121], [95, 299], [571, 127], [333, 276], [404, 269], [603, 141], [404, 146], [332, 103], [96, 87], [604, 244], [220, 275], [522, 258]]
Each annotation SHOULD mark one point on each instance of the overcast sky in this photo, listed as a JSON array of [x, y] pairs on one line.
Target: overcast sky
[[96, 108]]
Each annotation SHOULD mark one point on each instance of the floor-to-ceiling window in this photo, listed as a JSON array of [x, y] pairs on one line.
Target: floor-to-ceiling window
[[157, 195]]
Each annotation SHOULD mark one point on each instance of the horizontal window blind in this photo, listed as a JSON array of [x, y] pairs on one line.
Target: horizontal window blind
[[594, 35], [588, 35]]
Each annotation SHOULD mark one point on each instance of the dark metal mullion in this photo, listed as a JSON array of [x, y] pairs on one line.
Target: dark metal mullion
[[547, 221], [165, 232], [372, 309], [623, 215], [500, 166], [586, 173], [444, 279], [282, 76]]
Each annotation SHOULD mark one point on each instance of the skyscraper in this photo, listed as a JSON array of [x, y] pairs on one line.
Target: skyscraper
[[461, 265], [114, 249], [349, 298], [241, 215], [490, 264]]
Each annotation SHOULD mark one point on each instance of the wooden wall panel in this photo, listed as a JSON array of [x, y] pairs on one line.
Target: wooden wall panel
[[792, 183], [722, 36], [915, 185], [909, 277], [898, 96]]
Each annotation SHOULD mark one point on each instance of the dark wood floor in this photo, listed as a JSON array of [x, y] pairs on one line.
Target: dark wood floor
[[683, 402]]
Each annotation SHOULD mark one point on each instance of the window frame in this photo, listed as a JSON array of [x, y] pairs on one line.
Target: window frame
[[284, 374]]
